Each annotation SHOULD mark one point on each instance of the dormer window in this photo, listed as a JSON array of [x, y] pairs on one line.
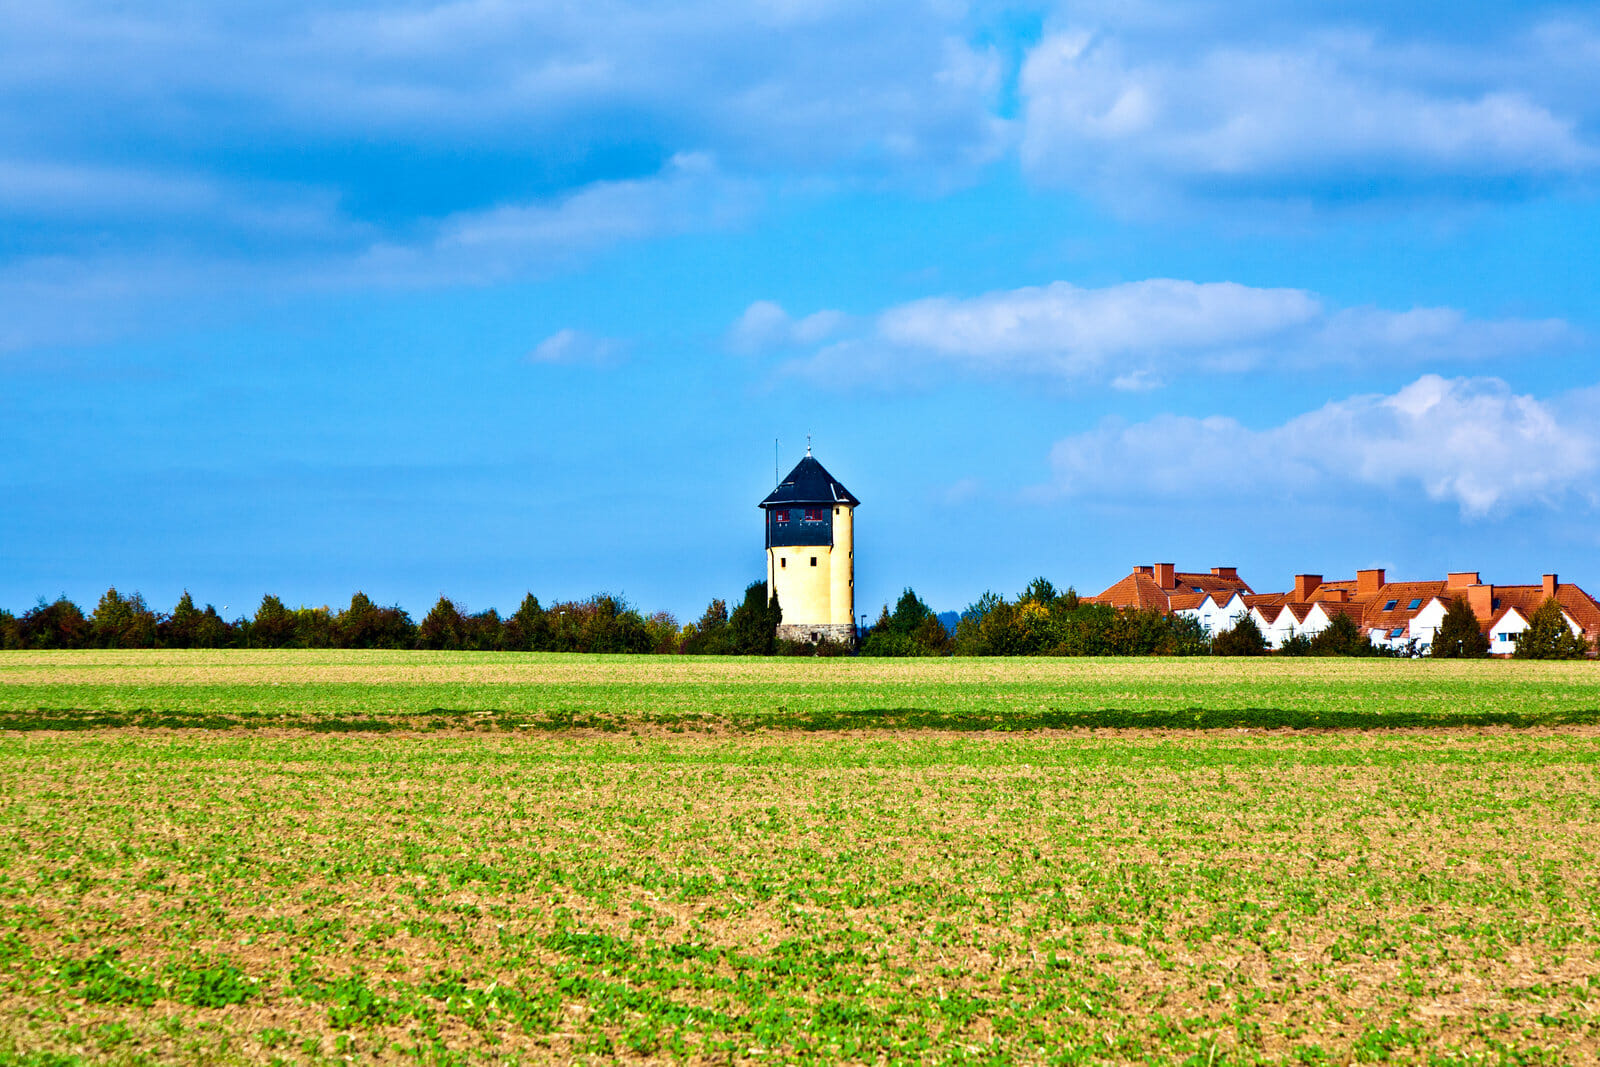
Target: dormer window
[[1415, 604], [1390, 605], [1397, 631]]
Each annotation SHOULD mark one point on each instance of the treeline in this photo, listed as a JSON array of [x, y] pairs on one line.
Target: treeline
[[602, 623], [1041, 621]]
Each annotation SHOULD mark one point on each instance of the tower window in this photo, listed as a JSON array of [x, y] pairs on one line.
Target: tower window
[[813, 514], [782, 516], [783, 561], [813, 561]]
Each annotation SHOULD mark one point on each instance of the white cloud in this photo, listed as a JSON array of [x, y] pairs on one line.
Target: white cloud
[[814, 86], [1138, 334], [570, 346], [1471, 442], [78, 299], [1132, 115], [766, 327]]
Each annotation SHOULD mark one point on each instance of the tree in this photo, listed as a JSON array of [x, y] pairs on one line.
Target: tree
[[179, 629], [1244, 639], [912, 629], [55, 625], [1459, 636], [365, 625], [10, 631], [1549, 637], [211, 630], [443, 628], [528, 628], [1040, 590], [273, 626], [754, 623], [710, 636], [123, 622]]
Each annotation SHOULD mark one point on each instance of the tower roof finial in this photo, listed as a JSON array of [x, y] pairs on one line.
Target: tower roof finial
[[808, 444]]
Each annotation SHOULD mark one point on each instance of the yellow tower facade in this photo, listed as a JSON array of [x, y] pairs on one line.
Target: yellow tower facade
[[811, 557]]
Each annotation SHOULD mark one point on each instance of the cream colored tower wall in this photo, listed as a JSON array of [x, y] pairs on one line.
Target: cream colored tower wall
[[804, 591], [842, 579], [821, 595]]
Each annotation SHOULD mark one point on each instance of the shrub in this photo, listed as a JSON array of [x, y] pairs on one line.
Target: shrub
[[1342, 637], [1296, 644], [1243, 639]]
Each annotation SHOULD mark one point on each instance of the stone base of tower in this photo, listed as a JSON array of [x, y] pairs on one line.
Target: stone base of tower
[[838, 633]]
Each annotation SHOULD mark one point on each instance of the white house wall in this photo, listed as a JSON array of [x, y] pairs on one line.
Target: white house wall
[[1425, 623]]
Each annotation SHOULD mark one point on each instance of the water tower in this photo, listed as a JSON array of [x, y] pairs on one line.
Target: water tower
[[811, 554]]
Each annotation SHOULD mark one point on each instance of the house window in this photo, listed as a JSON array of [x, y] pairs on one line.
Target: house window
[[1390, 605], [783, 516], [813, 561], [813, 514], [1415, 604], [1507, 638]]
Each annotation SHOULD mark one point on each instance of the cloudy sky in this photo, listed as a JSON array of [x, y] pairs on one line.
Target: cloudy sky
[[489, 296]]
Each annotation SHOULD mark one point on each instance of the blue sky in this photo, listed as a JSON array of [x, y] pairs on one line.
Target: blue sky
[[484, 297]]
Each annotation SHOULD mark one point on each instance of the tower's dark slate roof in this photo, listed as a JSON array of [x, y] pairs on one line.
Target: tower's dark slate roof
[[809, 483]]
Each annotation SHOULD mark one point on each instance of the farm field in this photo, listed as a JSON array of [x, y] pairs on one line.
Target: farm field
[[689, 885], [384, 690]]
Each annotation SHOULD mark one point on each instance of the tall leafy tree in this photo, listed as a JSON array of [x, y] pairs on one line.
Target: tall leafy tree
[[1459, 635]]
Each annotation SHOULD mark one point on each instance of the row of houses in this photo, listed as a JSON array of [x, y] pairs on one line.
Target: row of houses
[[1392, 614]]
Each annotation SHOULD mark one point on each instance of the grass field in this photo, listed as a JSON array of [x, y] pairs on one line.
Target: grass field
[[384, 690], [676, 862]]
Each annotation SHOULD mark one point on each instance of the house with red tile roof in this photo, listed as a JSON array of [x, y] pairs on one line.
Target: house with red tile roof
[[1156, 585], [1397, 615]]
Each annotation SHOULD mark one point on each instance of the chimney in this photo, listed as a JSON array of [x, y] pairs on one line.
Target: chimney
[[1164, 575], [1462, 579], [1230, 573], [1144, 570], [1337, 596], [1481, 599], [1305, 585], [1369, 581], [1550, 586]]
